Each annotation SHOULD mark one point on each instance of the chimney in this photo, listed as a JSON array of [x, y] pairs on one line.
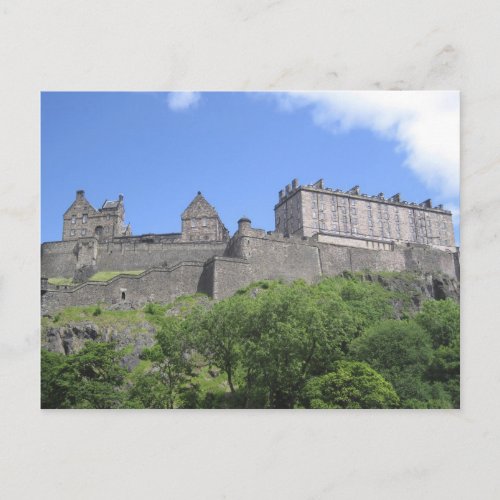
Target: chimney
[[120, 197], [295, 184], [396, 198], [79, 194], [288, 188], [426, 204], [282, 195], [381, 196], [354, 190]]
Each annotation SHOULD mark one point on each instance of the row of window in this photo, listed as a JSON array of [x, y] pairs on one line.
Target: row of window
[[85, 218], [83, 231]]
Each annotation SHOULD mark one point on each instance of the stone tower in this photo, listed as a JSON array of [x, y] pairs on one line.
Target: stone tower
[[82, 220], [201, 222]]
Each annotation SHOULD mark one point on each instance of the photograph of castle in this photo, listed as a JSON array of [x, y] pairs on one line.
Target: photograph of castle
[[350, 299]]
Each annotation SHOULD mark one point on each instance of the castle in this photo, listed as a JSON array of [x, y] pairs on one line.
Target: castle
[[318, 232]]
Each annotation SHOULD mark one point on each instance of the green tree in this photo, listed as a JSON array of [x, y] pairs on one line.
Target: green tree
[[52, 395], [401, 351], [368, 303], [351, 384], [441, 318], [295, 332], [220, 333], [91, 378], [171, 364]]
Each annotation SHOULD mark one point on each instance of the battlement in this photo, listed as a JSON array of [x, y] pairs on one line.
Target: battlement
[[318, 186]]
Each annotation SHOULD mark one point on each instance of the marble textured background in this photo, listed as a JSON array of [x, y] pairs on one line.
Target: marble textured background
[[249, 45]]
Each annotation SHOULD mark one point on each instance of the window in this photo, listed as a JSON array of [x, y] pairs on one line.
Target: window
[[84, 232], [354, 230], [314, 215], [322, 225], [107, 217], [72, 233], [353, 210], [344, 218], [73, 219], [370, 222], [354, 220], [353, 202], [315, 225], [85, 218], [343, 210], [193, 223], [204, 222]]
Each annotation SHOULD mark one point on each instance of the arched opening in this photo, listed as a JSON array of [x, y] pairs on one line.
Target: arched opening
[[123, 295]]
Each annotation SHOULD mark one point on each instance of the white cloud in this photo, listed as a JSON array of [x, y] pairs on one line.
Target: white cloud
[[180, 101], [426, 125]]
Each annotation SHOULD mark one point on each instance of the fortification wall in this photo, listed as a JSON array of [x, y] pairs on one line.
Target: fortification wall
[[155, 285], [143, 255], [287, 259], [277, 257], [58, 258], [250, 256], [63, 258], [227, 276]]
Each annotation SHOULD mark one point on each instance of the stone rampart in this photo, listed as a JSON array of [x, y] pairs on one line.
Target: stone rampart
[[154, 285], [64, 258], [220, 269]]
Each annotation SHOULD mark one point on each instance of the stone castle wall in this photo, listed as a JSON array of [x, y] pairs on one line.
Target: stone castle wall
[[63, 258], [251, 255], [154, 285]]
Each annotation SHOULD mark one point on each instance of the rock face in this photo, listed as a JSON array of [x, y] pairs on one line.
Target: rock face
[[70, 338], [416, 287]]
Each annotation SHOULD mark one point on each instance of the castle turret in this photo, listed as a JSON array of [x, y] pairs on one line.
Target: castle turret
[[244, 226]]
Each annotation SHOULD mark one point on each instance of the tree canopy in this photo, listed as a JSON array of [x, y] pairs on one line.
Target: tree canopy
[[341, 343]]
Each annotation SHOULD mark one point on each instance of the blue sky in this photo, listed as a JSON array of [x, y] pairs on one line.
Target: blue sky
[[239, 149]]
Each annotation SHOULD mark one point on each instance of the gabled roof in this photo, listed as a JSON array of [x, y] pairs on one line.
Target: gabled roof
[[199, 207], [83, 201]]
